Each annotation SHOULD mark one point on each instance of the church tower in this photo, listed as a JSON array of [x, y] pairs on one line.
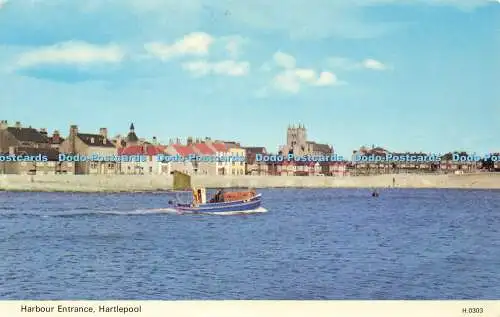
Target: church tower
[[296, 140], [132, 138]]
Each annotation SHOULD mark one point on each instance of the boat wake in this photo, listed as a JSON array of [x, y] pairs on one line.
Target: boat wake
[[232, 213], [138, 212], [221, 213]]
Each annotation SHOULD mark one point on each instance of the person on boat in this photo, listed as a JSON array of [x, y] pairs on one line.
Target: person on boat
[[375, 193], [218, 197]]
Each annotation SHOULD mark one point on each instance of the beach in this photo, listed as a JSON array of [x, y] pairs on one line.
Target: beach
[[135, 183]]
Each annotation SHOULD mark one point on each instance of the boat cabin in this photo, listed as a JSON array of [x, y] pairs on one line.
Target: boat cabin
[[200, 195]]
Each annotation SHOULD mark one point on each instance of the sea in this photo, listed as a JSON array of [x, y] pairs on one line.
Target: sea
[[309, 244]]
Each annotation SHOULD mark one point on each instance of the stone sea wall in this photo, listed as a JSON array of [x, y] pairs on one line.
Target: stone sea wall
[[130, 183]]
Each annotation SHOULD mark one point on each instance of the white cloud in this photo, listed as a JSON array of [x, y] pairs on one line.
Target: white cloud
[[3, 3], [227, 67], [291, 80], [349, 64], [284, 60], [374, 64], [305, 75], [73, 52], [326, 79], [196, 43]]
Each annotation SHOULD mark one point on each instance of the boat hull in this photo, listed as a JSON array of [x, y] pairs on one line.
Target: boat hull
[[232, 206]]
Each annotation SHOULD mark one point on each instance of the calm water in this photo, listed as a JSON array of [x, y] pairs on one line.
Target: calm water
[[312, 244]]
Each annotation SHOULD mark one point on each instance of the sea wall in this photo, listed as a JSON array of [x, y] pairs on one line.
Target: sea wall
[[117, 183]]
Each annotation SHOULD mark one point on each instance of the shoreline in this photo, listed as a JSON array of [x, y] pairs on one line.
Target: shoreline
[[163, 184]]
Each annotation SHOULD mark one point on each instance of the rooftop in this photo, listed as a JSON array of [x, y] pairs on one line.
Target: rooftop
[[95, 140], [183, 150], [202, 148], [148, 150], [28, 135]]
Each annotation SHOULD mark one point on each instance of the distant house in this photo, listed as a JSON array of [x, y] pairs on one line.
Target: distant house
[[449, 165], [237, 153], [222, 153], [252, 166], [147, 162], [88, 144], [55, 140], [46, 162], [182, 163], [206, 164], [20, 136], [34, 151], [334, 168]]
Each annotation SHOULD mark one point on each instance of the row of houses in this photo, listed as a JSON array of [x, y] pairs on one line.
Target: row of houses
[[438, 164], [45, 153], [18, 140]]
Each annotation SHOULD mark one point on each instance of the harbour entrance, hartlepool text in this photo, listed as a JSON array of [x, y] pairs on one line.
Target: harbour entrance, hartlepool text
[[80, 309]]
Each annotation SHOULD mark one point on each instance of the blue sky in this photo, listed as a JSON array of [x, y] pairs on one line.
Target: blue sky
[[407, 75]]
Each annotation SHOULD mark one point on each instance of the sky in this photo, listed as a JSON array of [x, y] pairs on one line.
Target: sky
[[405, 75]]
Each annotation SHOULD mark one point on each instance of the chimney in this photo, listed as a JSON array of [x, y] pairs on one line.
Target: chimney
[[155, 141], [73, 130], [4, 124], [103, 132], [189, 140], [18, 124], [55, 136], [43, 131], [170, 141], [178, 141]]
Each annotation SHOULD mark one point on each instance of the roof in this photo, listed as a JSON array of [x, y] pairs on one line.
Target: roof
[[97, 138], [231, 144], [27, 135], [219, 147], [51, 153], [318, 147], [255, 149], [132, 137], [182, 149], [202, 148], [148, 150]]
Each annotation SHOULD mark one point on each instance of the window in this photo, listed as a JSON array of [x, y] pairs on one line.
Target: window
[[111, 165], [92, 140], [93, 165], [150, 169]]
